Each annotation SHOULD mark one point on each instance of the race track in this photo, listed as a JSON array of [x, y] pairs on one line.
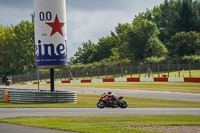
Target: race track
[[18, 112]]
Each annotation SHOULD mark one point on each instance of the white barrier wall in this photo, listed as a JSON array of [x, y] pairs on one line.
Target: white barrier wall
[[175, 79], [146, 79], [75, 81], [43, 82], [120, 79], [97, 80], [29, 83], [58, 82]]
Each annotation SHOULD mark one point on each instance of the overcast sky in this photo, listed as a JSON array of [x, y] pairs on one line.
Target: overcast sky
[[86, 19]]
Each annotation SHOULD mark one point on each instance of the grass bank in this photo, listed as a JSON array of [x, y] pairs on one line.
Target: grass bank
[[152, 86], [89, 101], [99, 124]]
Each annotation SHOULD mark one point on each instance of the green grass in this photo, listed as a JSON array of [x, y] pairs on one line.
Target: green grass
[[103, 124], [84, 101], [153, 86], [194, 73], [89, 101]]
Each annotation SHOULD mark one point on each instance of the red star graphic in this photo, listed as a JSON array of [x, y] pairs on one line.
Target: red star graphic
[[56, 26]]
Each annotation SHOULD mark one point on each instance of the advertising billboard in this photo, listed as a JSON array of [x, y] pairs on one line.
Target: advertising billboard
[[50, 33]]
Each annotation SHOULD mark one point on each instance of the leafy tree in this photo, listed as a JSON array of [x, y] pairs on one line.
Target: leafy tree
[[184, 44], [188, 19], [104, 47], [23, 57], [91, 52], [86, 54], [174, 16], [2, 47], [143, 40], [191, 59], [122, 36], [17, 48], [7, 38]]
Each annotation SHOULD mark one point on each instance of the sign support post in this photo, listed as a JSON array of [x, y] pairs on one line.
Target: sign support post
[[52, 79], [38, 80]]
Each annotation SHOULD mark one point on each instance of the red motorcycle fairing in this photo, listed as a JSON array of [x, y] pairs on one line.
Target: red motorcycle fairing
[[105, 99]]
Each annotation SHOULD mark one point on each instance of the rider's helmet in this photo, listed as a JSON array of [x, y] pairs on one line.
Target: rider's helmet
[[109, 92]]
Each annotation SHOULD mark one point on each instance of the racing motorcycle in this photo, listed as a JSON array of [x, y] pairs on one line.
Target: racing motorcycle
[[111, 101]]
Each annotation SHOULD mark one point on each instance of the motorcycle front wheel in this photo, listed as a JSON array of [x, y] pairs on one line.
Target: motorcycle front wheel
[[123, 104], [101, 104]]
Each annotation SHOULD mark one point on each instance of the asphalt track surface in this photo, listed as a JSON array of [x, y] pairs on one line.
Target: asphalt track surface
[[19, 112], [11, 128], [123, 92]]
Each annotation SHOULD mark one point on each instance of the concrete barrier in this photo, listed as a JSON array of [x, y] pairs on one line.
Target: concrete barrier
[[43, 82], [58, 82], [161, 79], [75, 81], [120, 79], [108, 80], [141, 79], [191, 79], [133, 79], [146, 79], [97, 80], [175, 79], [86, 81]]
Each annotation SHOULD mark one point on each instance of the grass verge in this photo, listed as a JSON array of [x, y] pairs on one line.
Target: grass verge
[[89, 101], [99, 124], [152, 86]]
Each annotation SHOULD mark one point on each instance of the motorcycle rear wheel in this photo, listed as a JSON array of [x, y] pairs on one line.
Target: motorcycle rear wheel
[[123, 104], [101, 104]]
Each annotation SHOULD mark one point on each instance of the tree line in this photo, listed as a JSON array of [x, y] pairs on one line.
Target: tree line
[[169, 33]]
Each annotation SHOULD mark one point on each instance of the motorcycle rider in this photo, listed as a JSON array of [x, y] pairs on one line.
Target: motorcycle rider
[[7, 83], [112, 96]]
